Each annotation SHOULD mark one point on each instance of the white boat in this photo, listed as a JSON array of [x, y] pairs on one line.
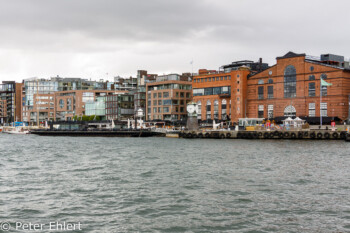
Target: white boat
[[16, 130]]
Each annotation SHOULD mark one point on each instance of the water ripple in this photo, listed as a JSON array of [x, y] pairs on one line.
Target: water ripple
[[167, 185]]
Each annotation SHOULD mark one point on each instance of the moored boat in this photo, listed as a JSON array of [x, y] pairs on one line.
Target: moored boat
[[16, 130]]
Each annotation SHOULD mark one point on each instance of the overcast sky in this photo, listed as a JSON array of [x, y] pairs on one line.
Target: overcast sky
[[90, 38]]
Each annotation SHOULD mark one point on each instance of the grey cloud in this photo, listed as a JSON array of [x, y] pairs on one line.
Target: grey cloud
[[92, 36]]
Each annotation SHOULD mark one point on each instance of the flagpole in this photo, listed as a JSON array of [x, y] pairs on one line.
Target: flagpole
[[192, 67], [320, 100]]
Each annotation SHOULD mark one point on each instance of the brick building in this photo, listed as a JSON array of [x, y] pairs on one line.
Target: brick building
[[72, 103], [140, 93], [219, 94], [168, 96], [39, 93], [292, 88]]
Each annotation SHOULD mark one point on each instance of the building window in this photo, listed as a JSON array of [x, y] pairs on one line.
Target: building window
[[213, 79], [261, 93], [154, 102], [216, 109], [166, 102], [290, 82], [88, 97], [270, 111], [312, 110], [160, 95], [182, 94], [260, 82], [290, 111], [311, 77], [323, 109], [199, 113], [187, 95], [223, 109], [270, 92], [312, 90], [208, 91], [261, 111], [61, 103], [216, 90], [208, 110], [154, 95], [196, 92], [166, 109], [270, 81], [154, 110], [69, 104], [159, 102], [165, 94]]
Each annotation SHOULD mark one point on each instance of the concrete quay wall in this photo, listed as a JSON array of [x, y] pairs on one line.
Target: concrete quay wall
[[276, 134]]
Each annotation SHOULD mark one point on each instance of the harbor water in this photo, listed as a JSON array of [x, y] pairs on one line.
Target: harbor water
[[175, 185]]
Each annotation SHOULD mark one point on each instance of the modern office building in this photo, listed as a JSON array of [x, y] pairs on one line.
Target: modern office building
[[39, 103], [96, 108], [73, 103], [124, 84], [120, 106], [10, 102], [292, 87], [167, 97]]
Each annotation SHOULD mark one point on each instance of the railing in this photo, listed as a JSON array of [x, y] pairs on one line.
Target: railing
[[315, 58]]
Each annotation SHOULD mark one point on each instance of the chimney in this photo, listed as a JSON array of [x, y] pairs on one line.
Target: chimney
[[260, 64]]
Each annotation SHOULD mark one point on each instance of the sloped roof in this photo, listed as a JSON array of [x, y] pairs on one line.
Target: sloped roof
[[291, 55]]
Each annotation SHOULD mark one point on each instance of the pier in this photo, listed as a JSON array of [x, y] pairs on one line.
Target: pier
[[264, 134]]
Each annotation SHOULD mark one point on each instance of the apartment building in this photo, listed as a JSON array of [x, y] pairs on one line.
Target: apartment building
[[167, 97], [10, 102]]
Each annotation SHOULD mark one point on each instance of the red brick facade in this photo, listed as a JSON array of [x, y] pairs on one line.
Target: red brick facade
[[235, 105], [307, 99], [167, 100]]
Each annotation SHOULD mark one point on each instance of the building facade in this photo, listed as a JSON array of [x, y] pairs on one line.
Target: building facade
[[120, 106], [168, 96], [10, 102], [292, 88], [73, 103], [221, 95], [39, 99], [140, 93]]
